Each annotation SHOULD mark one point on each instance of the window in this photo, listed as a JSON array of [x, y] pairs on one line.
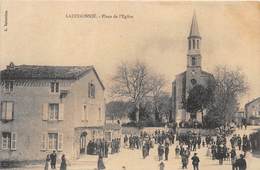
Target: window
[[53, 111], [193, 44], [193, 61], [189, 44], [8, 141], [198, 44], [53, 141], [108, 136], [9, 86], [91, 90], [54, 87], [7, 110]]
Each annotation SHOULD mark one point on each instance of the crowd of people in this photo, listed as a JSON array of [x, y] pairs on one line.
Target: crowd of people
[[102, 147], [224, 146]]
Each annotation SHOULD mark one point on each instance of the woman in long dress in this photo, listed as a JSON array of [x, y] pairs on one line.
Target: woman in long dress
[[63, 165], [46, 167], [100, 164]]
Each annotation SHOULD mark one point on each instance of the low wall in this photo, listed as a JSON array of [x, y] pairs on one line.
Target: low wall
[[130, 130], [203, 132], [151, 130]]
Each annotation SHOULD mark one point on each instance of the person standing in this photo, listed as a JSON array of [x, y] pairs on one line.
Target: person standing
[[199, 141], [160, 152], [184, 160], [166, 151], [241, 163], [63, 165], [234, 162], [239, 142], [177, 151], [100, 163], [161, 165], [46, 167], [125, 141], [53, 158], [144, 151], [195, 161]]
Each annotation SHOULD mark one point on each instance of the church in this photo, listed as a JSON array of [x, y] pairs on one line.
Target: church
[[193, 75]]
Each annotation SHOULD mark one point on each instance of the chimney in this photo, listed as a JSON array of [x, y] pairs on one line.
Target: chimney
[[11, 66]]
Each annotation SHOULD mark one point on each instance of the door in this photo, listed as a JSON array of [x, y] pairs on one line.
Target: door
[[83, 143]]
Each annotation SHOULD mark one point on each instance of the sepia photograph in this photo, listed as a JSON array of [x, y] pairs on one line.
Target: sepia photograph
[[129, 85]]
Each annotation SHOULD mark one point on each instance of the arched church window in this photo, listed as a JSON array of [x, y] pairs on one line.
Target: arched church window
[[193, 44], [193, 61], [198, 44]]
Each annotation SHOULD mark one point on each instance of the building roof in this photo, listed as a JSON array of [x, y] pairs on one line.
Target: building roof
[[252, 101], [112, 126], [37, 72], [194, 29]]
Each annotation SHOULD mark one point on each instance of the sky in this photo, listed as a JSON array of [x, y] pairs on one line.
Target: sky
[[38, 32]]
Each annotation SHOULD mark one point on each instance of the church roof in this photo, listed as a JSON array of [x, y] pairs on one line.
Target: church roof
[[204, 73], [194, 29]]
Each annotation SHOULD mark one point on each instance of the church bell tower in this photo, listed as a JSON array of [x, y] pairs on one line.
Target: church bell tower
[[194, 39]]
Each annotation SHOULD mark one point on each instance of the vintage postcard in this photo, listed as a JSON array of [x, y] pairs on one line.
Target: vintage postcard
[[131, 85]]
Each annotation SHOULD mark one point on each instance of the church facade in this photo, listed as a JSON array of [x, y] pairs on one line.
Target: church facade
[[193, 75]]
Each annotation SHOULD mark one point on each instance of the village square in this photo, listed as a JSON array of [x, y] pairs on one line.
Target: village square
[[71, 117]]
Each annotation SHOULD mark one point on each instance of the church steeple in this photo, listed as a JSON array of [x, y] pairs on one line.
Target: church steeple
[[194, 57], [194, 29]]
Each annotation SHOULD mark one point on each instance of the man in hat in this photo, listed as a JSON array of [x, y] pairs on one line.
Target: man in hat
[[53, 158], [195, 161]]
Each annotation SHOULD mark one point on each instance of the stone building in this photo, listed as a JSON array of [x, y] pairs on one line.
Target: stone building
[[45, 108], [252, 111], [192, 76]]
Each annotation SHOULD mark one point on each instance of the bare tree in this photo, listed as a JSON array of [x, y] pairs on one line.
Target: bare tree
[[133, 82], [230, 86], [157, 94]]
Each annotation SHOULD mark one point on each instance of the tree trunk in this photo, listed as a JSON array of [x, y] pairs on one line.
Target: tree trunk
[[137, 114], [202, 117]]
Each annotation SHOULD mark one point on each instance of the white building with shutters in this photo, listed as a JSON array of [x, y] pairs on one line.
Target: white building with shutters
[[45, 108]]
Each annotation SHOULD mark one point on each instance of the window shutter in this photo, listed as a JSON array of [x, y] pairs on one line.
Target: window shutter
[[13, 141], [44, 141], [1, 110], [93, 91], [45, 111], [4, 110], [9, 110], [3, 142], [60, 142], [83, 113], [86, 113], [61, 111]]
